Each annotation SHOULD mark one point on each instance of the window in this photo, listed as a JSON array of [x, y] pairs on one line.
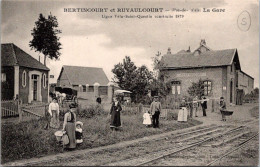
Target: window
[[24, 79], [44, 80], [207, 87], [176, 87], [91, 89], [3, 78], [84, 88]]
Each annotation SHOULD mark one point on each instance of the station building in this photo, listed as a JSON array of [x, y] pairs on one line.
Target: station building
[[219, 70]]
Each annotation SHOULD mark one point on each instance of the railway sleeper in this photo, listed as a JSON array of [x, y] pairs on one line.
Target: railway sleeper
[[199, 135], [229, 140]]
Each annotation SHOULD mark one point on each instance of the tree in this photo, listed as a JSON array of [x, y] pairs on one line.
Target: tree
[[196, 89], [132, 78], [158, 84], [142, 82], [45, 39]]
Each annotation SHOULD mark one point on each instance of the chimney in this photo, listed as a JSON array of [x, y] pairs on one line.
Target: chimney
[[169, 51], [203, 42], [188, 49]]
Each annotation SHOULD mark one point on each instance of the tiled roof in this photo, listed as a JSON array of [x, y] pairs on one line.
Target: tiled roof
[[85, 75], [12, 55], [204, 59]]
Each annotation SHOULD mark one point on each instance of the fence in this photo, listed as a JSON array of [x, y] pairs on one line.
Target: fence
[[35, 110], [9, 108], [14, 108]]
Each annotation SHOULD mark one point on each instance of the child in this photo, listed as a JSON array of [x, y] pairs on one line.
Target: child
[[79, 133], [147, 119]]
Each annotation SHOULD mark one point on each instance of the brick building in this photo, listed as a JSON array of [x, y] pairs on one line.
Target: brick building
[[220, 71], [22, 76]]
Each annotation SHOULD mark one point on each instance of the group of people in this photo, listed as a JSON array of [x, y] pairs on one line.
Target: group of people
[[191, 106], [71, 127]]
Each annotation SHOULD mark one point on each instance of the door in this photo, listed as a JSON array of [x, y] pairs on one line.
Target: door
[[35, 86], [35, 90], [231, 91]]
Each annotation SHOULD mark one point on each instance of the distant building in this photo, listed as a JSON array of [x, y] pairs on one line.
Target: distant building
[[219, 69], [85, 80], [22, 75]]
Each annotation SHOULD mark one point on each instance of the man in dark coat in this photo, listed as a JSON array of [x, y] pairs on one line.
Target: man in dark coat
[[204, 106]]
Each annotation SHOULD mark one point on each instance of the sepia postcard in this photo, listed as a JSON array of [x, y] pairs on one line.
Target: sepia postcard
[[130, 83]]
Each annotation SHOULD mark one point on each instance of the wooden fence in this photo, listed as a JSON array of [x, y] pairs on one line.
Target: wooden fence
[[14, 108], [9, 108]]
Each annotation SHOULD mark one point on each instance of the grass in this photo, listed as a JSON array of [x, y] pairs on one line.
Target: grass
[[255, 111], [29, 139]]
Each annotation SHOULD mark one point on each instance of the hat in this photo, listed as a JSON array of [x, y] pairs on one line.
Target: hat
[[72, 105], [221, 97], [79, 123]]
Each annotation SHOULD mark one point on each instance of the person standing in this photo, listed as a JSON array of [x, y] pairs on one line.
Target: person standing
[[70, 127], [155, 109], [195, 105], [204, 106], [115, 114], [147, 121], [222, 108], [182, 115], [54, 113], [98, 100], [190, 106]]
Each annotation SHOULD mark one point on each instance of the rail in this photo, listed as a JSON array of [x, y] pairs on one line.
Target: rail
[[233, 150]]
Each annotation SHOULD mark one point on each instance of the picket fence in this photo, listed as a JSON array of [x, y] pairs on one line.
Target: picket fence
[[9, 108], [14, 108]]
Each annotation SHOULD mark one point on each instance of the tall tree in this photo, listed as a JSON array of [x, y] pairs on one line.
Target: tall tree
[[132, 78], [45, 37]]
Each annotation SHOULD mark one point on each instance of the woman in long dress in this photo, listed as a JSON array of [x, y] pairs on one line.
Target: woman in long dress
[[183, 112], [115, 114], [70, 127], [54, 113]]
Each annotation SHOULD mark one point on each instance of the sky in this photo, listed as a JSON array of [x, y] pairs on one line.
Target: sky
[[89, 40]]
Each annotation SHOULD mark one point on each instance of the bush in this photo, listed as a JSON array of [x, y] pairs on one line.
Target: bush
[[91, 111], [26, 140]]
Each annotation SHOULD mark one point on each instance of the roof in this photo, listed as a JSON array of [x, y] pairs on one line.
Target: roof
[[205, 59], [12, 55], [246, 74], [78, 75], [122, 91]]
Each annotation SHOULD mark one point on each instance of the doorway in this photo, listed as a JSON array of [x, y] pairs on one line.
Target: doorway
[[231, 91], [35, 86]]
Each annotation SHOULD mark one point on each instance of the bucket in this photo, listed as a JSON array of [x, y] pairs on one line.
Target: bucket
[[58, 135]]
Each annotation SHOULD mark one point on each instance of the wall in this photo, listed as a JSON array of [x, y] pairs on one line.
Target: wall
[[7, 92], [244, 82], [187, 76], [63, 80], [24, 91]]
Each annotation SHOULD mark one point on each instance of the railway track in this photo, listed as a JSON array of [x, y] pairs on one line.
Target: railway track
[[216, 136], [242, 144]]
